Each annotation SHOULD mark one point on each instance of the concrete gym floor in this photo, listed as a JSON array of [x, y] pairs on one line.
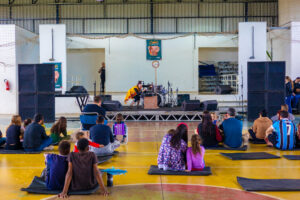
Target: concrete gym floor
[[17, 171]]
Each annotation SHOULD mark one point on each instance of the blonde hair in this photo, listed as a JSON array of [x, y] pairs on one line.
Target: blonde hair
[[196, 142], [16, 120], [79, 135]]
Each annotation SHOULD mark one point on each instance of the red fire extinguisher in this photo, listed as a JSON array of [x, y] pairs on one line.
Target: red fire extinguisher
[[6, 84]]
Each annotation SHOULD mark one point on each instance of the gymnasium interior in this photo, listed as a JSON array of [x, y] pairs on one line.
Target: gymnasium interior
[[190, 57]]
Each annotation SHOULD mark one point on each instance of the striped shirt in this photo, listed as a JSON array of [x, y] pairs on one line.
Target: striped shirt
[[286, 134]]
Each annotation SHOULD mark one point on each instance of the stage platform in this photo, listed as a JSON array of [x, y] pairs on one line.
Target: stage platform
[[160, 114]]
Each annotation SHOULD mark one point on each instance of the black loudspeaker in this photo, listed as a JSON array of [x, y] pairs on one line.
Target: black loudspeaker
[[191, 105], [223, 89], [77, 89], [181, 98], [266, 88], [105, 98], [210, 105], [36, 91], [112, 105]]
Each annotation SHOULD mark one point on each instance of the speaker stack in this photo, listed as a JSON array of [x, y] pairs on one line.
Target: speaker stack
[[266, 87], [36, 91]]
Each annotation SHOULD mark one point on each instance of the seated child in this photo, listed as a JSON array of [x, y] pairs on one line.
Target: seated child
[[214, 118], [120, 128], [26, 123], [58, 128], [83, 173], [2, 139], [57, 167], [195, 155], [81, 135]]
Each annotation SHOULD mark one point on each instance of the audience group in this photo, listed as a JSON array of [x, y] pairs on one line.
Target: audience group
[[174, 153], [77, 171], [292, 92]]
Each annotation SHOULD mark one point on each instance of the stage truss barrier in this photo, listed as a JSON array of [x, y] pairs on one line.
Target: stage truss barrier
[[156, 115]]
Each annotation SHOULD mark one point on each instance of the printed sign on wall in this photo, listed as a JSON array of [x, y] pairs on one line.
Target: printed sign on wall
[[57, 76], [153, 49]]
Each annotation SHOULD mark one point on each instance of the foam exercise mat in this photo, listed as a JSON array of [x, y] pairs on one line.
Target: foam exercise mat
[[220, 147], [103, 159], [20, 151], [292, 157], [38, 186], [154, 170], [249, 156], [269, 184], [257, 141]]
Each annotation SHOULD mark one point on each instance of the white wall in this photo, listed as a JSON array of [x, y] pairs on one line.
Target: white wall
[[245, 49], [60, 55], [8, 99], [18, 46], [294, 70], [218, 54], [83, 66], [126, 59]]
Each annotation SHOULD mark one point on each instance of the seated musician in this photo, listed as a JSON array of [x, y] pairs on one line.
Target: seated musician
[[95, 107], [135, 94]]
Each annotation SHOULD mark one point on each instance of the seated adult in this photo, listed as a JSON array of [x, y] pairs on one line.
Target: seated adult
[[173, 148], [296, 96], [284, 107], [35, 138], [13, 134], [209, 132], [95, 107], [282, 134], [260, 125], [57, 167], [232, 130], [102, 134]]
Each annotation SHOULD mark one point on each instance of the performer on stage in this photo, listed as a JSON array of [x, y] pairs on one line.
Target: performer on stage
[[135, 94], [101, 71]]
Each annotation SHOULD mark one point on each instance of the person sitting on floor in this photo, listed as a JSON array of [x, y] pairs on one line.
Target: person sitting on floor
[[260, 125], [120, 128], [14, 133], [102, 134], [26, 123], [58, 128], [214, 118], [35, 138], [2, 139], [83, 173], [296, 96], [298, 136], [195, 155], [95, 107], [209, 132], [282, 134], [57, 166], [173, 148], [284, 107], [232, 130], [80, 135]]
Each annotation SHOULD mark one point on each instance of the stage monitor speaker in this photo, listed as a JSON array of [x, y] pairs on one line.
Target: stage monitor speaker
[[210, 105], [105, 98], [112, 105], [266, 88], [77, 89], [36, 91], [181, 98], [223, 89], [191, 105]]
